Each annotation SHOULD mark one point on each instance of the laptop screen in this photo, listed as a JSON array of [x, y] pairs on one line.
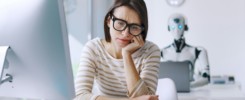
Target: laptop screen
[[178, 72]]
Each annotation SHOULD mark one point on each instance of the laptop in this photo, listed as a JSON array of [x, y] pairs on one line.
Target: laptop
[[178, 72]]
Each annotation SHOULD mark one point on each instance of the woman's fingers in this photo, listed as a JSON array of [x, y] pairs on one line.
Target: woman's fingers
[[139, 40]]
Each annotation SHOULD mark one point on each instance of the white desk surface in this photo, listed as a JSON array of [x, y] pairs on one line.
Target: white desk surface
[[208, 92], [214, 92]]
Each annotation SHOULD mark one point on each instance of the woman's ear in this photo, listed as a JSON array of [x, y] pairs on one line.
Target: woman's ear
[[108, 21]]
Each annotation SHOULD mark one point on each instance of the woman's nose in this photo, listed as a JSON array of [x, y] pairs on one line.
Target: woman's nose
[[126, 32]]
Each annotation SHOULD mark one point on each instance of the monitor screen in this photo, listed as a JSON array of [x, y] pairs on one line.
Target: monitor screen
[[39, 57]]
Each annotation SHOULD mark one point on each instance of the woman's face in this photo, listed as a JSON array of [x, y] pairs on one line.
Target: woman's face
[[121, 39]]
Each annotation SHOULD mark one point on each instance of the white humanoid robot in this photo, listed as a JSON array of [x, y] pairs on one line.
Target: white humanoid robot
[[180, 51]]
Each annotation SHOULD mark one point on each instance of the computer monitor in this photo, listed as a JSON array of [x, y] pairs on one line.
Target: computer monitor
[[39, 57]]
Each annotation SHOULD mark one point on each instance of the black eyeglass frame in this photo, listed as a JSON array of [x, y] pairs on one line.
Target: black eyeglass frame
[[127, 25]]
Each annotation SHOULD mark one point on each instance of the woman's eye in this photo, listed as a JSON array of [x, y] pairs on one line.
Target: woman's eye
[[121, 23], [134, 28]]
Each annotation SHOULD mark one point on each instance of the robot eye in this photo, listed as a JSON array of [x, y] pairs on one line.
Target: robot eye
[[180, 27], [172, 27]]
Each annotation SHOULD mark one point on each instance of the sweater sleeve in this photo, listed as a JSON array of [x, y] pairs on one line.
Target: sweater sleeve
[[86, 72], [149, 74]]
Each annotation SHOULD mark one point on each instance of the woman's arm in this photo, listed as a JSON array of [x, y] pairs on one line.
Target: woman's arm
[[110, 98], [85, 76], [143, 83], [144, 97], [132, 76]]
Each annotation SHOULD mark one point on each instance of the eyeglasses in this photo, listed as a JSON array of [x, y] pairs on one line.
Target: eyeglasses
[[121, 25]]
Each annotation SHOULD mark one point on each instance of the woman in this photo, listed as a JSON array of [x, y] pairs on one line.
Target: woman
[[124, 65]]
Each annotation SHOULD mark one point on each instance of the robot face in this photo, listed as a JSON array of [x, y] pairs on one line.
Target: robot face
[[176, 26]]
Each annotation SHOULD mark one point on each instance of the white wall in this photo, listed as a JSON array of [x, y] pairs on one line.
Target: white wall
[[217, 25], [78, 23], [84, 21], [99, 10]]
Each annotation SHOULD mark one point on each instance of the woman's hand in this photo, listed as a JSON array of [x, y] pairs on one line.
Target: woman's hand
[[135, 44], [146, 97]]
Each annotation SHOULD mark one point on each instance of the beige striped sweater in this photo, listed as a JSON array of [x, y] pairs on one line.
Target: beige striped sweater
[[98, 66]]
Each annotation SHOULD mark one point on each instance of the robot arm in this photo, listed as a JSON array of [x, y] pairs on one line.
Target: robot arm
[[199, 82], [202, 74]]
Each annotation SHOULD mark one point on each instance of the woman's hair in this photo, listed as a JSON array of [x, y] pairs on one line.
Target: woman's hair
[[138, 6]]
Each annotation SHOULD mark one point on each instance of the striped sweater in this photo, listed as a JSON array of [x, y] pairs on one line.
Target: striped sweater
[[98, 66]]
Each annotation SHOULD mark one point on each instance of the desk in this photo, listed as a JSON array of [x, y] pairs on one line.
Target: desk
[[214, 92]]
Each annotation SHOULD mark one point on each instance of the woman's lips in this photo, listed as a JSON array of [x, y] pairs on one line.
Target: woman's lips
[[123, 40]]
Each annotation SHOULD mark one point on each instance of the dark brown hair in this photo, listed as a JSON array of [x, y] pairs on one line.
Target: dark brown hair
[[138, 6]]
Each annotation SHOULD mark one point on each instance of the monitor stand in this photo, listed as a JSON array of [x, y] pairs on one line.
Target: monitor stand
[[7, 77]]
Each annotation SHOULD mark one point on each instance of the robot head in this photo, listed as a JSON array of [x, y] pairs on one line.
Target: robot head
[[177, 26]]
